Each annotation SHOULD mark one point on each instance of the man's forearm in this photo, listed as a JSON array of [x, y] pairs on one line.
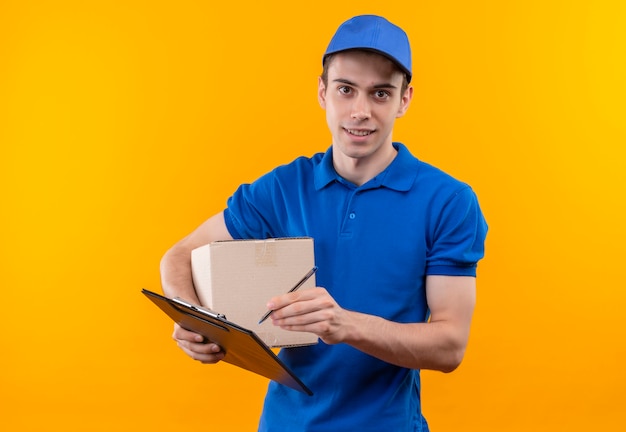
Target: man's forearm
[[176, 278], [435, 346]]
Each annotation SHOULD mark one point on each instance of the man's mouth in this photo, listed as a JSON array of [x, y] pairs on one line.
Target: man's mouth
[[359, 132]]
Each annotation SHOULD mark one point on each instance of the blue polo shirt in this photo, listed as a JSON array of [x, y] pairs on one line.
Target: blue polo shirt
[[374, 246]]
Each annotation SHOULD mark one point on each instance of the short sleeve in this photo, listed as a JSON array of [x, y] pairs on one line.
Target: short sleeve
[[458, 236], [250, 212]]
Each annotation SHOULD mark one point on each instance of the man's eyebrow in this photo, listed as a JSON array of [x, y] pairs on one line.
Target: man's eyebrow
[[375, 86]]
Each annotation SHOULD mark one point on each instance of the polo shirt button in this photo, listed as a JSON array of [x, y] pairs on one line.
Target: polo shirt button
[[352, 215]]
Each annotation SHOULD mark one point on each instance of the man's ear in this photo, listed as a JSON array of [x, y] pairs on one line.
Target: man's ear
[[405, 101], [321, 93]]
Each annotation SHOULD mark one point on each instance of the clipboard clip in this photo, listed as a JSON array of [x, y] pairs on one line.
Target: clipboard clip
[[198, 308]]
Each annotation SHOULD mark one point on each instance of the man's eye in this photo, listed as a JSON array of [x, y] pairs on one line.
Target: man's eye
[[345, 90], [382, 94]]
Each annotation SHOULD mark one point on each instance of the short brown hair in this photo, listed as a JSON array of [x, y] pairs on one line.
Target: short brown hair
[[329, 59]]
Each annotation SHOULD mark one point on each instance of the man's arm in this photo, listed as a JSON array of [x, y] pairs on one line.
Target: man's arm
[[438, 345], [177, 281], [176, 277]]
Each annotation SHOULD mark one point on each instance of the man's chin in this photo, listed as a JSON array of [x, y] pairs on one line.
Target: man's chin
[[358, 151]]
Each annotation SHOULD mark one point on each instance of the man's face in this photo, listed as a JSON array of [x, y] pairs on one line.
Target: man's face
[[362, 100]]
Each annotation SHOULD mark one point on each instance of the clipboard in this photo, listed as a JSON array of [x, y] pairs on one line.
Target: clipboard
[[242, 347]]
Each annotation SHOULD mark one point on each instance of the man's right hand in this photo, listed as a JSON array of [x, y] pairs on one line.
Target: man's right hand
[[196, 346], [177, 281]]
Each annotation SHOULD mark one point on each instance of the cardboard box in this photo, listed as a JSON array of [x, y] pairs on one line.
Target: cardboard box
[[238, 277]]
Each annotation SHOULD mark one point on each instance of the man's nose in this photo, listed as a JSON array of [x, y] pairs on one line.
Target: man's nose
[[361, 107]]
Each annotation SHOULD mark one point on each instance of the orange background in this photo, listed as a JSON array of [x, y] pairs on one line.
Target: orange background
[[124, 124]]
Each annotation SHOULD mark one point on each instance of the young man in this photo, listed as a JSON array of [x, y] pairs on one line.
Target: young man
[[396, 242]]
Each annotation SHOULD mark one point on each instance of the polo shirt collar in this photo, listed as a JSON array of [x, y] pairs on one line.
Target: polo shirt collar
[[325, 173], [399, 175]]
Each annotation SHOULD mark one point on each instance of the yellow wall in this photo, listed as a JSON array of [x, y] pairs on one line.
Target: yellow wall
[[123, 124]]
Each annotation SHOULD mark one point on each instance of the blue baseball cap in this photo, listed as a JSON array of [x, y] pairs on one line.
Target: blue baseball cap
[[375, 33]]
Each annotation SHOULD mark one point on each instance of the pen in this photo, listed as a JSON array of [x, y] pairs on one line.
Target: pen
[[295, 287]]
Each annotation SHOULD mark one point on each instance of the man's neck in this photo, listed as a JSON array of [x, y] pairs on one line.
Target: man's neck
[[361, 170]]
